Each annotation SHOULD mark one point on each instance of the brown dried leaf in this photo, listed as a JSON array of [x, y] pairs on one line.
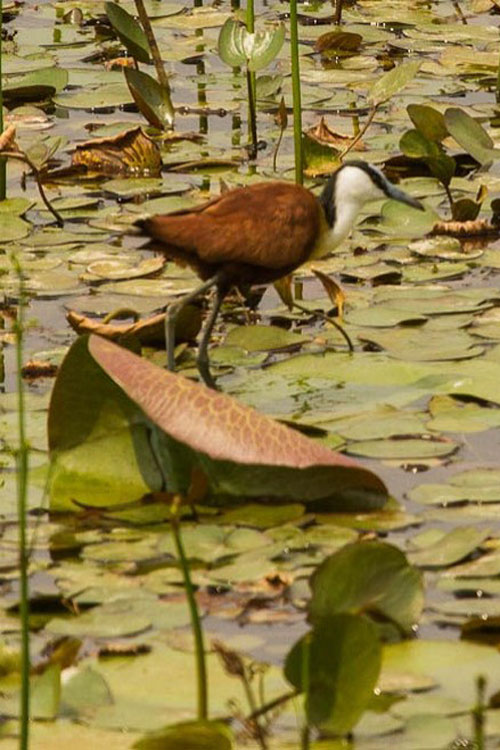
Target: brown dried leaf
[[129, 153], [231, 660], [281, 116], [338, 42], [39, 369], [333, 289], [284, 288], [150, 332], [7, 138], [119, 62], [325, 136], [477, 227], [123, 649]]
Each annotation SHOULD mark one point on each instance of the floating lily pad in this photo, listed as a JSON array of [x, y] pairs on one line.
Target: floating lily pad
[[12, 227], [452, 548], [108, 95], [259, 338], [403, 449]]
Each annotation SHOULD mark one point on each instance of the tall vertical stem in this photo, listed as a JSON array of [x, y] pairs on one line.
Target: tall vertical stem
[[305, 734], [155, 52], [338, 12], [478, 714], [297, 102], [252, 85], [252, 116], [201, 667], [22, 487], [3, 162]]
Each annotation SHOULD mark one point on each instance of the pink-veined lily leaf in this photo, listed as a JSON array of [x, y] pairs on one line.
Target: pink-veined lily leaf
[[241, 452]]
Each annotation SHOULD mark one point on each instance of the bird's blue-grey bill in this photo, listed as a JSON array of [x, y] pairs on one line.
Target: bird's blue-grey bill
[[399, 195]]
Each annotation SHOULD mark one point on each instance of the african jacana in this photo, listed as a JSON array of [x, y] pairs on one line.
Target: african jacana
[[260, 233]]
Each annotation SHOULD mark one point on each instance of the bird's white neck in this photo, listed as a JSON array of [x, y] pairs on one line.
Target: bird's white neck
[[350, 189], [331, 237]]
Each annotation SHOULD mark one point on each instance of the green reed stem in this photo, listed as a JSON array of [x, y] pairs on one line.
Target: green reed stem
[[3, 162], [252, 84], [252, 704], [296, 95], [201, 667], [305, 735], [155, 52], [252, 115], [22, 489], [478, 715]]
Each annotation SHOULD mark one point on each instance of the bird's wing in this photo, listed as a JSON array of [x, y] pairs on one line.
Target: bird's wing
[[271, 225]]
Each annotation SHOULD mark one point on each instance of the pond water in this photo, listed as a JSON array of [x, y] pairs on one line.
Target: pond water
[[418, 402]]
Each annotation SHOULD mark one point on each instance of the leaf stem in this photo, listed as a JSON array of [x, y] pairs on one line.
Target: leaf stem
[[478, 713], [449, 196], [305, 735], [153, 45], [273, 704], [252, 117], [296, 95], [338, 12], [21, 156], [3, 163], [328, 319], [361, 132], [201, 667], [253, 707], [22, 488]]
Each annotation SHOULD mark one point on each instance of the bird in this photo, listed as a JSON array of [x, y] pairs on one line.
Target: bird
[[260, 233]]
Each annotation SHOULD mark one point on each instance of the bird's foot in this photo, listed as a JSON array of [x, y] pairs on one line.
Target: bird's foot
[[206, 375]]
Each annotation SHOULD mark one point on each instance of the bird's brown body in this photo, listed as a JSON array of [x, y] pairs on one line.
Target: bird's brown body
[[253, 235], [260, 233]]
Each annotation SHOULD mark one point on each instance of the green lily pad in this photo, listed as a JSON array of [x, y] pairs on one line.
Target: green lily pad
[[263, 516], [36, 85], [196, 735], [12, 227], [393, 81], [107, 95], [451, 548], [403, 449], [263, 338], [100, 622]]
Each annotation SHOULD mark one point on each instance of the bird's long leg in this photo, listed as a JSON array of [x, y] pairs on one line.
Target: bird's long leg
[[202, 359], [173, 311]]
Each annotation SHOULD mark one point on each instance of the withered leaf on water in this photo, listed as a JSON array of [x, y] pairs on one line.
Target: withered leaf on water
[[478, 227], [128, 153], [325, 136], [150, 331], [338, 43]]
